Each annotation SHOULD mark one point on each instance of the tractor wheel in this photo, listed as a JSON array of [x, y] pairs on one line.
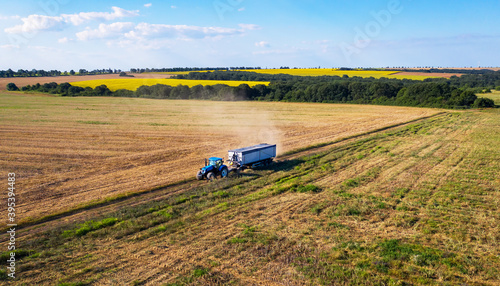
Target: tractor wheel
[[223, 172], [199, 176], [210, 176]]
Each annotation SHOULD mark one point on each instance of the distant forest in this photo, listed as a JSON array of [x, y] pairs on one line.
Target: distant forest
[[40, 73], [43, 73], [456, 92]]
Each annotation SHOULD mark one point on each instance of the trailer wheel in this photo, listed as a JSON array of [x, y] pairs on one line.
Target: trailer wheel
[[235, 172], [199, 176], [223, 172], [210, 176]]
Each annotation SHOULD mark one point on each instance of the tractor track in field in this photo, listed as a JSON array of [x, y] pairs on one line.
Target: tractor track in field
[[81, 214]]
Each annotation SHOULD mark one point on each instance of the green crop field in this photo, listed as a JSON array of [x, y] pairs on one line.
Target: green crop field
[[495, 95], [409, 204]]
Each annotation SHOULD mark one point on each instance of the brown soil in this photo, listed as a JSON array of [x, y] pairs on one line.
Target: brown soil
[[451, 68], [445, 75]]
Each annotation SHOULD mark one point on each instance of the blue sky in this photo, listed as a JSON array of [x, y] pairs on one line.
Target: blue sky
[[72, 34]]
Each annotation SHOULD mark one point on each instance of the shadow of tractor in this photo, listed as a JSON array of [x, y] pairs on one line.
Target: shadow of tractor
[[285, 165]]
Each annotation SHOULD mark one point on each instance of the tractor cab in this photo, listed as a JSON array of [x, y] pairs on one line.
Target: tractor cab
[[213, 168], [215, 161]]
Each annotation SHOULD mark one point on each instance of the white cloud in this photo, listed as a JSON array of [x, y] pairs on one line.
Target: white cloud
[[16, 17], [322, 42], [249, 26], [289, 51], [173, 7], [149, 44], [262, 44], [145, 30], [241, 9], [35, 23], [145, 36], [80, 18], [271, 52], [44, 48], [105, 31], [9, 47], [63, 40], [148, 5]]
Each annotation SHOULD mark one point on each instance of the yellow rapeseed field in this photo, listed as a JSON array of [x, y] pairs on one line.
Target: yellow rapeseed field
[[134, 83], [330, 72], [326, 72], [338, 72]]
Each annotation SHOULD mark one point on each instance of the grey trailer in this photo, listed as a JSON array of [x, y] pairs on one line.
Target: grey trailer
[[252, 156]]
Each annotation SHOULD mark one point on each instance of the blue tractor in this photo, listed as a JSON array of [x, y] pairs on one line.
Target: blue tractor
[[214, 168]]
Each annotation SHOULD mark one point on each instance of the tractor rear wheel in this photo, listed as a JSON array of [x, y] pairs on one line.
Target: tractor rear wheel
[[210, 176], [223, 172]]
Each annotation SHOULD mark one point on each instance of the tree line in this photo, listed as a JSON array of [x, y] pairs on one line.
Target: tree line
[[401, 93], [43, 73], [189, 69], [177, 69]]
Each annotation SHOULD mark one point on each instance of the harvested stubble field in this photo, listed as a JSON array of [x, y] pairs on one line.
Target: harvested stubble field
[[413, 205], [71, 152], [415, 75]]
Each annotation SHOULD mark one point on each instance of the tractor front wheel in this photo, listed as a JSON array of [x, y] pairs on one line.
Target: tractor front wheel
[[199, 176]]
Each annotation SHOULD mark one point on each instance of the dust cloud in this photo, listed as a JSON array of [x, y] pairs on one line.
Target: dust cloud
[[244, 127], [256, 126]]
